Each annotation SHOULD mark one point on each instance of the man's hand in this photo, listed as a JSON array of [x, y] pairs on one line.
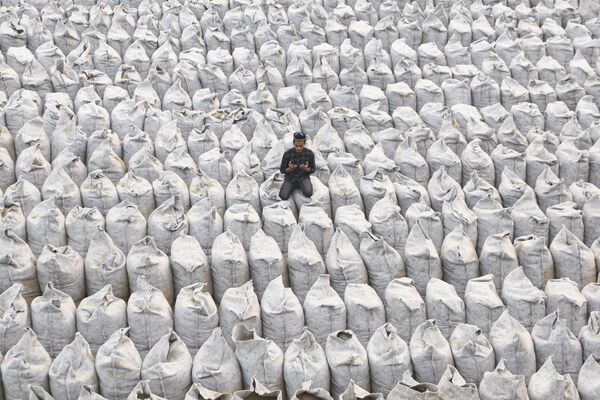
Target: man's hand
[[304, 167], [291, 167]]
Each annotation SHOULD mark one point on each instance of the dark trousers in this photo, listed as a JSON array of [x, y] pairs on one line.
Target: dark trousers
[[289, 186]]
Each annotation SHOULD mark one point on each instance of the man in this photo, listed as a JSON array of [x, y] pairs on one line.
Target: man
[[297, 164]]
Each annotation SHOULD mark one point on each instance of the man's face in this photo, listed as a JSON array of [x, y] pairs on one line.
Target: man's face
[[299, 145]]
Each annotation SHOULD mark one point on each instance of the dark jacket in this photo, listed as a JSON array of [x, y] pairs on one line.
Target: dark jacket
[[290, 155]]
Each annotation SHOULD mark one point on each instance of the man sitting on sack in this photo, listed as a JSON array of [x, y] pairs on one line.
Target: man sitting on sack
[[297, 164]]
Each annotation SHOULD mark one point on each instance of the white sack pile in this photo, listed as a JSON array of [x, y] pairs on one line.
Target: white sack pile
[[450, 250]]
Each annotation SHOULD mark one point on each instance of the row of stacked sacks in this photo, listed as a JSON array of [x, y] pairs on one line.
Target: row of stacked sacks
[[455, 207], [452, 240], [325, 348], [176, 52], [196, 55]]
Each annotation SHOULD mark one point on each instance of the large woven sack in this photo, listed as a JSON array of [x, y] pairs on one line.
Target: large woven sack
[[17, 265], [278, 222], [305, 361], [535, 259], [72, 369], [64, 267], [430, 352], [565, 214], [60, 185], [482, 303], [99, 316], [347, 359], [239, 305], [167, 222], [456, 212], [565, 298], [444, 306], [26, 363], [508, 334], [16, 316], [138, 190], [365, 312], [343, 189], [409, 192], [126, 224], [82, 224], [388, 223], [195, 315], [53, 318], [404, 307], [281, 313], [421, 258], [146, 259], [548, 383], [523, 300], [98, 191], [149, 316], [472, 352], [266, 262], [304, 263], [167, 367], [498, 257], [589, 336], [552, 338], [382, 261], [344, 264], [352, 221], [442, 187], [105, 265], [459, 259], [389, 359], [215, 365], [118, 365], [551, 190], [573, 259], [249, 347], [587, 385], [318, 226], [503, 384], [229, 266], [529, 218], [324, 310], [205, 222], [430, 220]]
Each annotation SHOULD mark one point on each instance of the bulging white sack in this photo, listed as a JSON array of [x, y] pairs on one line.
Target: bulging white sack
[[167, 367], [118, 365], [430, 352], [26, 363], [195, 315], [72, 369], [347, 359], [305, 362], [99, 316], [53, 318], [149, 316], [215, 366]]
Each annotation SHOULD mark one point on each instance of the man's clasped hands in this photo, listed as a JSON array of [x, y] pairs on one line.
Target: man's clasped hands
[[304, 167]]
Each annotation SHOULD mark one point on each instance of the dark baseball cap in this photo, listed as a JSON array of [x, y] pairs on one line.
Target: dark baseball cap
[[299, 136]]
